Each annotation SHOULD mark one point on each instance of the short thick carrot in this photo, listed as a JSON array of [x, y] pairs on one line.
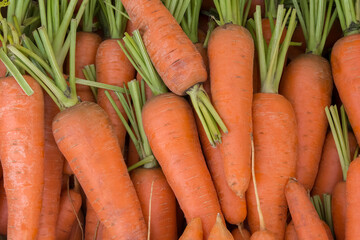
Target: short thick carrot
[[92, 150], [174, 141], [306, 220], [193, 230], [155, 193], [22, 126]]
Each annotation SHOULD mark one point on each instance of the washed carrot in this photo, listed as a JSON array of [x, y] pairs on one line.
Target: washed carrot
[[311, 74], [306, 220], [231, 74], [274, 131], [193, 230], [243, 235], [330, 172], [21, 126], [175, 59], [112, 67], [219, 231], [352, 200], [344, 56], [53, 169]]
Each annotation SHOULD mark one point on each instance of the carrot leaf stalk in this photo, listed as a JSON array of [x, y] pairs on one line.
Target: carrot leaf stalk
[[190, 21], [211, 27], [133, 104], [135, 50], [323, 208], [89, 14], [114, 18], [178, 8], [272, 57], [232, 11], [316, 18], [348, 14], [339, 130], [90, 74]]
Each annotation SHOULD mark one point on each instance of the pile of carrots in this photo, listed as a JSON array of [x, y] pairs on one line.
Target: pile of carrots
[[179, 119]]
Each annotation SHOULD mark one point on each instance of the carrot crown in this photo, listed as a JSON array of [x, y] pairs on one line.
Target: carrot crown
[[349, 16], [339, 130], [177, 8], [272, 56], [232, 11], [316, 18], [190, 21], [114, 18]]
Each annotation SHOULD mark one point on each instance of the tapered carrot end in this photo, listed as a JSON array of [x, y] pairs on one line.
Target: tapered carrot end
[[219, 230], [193, 231]]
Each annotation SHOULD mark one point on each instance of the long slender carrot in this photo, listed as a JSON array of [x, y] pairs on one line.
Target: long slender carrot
[[53, 169], [311, 74], [193, 230], [274, 133], [330, 172], [306, 220], [175, 59], [352, 201], [231, 73], [21, 126], [344, 56], [219, 231]]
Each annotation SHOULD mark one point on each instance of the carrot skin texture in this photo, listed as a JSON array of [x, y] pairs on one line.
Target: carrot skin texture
[[330, 172], [232, 206], [163, 204], [22, 126], [170, 127], [344, 56], [352, 230], [87, 44], [173, 54], [306, 220], [310, 74], [100, 172], [219, 231], [275, 143], [231, 79], [53, 169], [3, 210], [244, 235], [193, 230], [69, 202], [113, 67], [338, 209]]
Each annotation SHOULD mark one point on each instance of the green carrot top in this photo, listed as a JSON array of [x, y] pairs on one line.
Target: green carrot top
[[190, 21], [349, 16], [113, 18], [232, 11], [272, 57], [316, 18]]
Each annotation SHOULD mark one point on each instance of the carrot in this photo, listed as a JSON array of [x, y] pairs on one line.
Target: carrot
[[195, 192], [310, 73], [22, 125], [330, 173], [92, 223], [219, 231], [352, 201], [53, 166], [344, 57], [290, 233], [155, 193], [70, 203], [112, 66], [306, 221], [193, 230], [339, 209], [175, 59], [274, 131], [3, 209], [231, 89], [243, 235], [79, 129]]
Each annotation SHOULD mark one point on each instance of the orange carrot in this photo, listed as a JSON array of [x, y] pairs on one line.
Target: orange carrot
[[290, 233], [193, 230], [92, 223], [263, 235], [170, 135], [219, 231], [21, 126], [76, 230], [70, 203], [306, 220], [155, 193], [243, 235], [352, 230], [53, 166]]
